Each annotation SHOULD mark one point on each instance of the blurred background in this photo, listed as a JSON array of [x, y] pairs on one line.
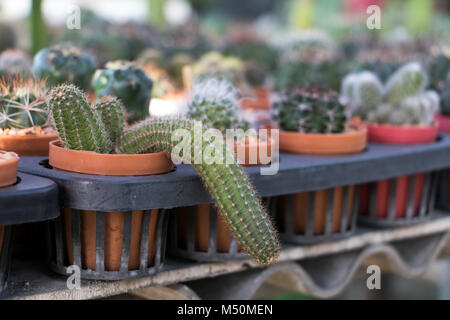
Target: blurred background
[[260, 43]]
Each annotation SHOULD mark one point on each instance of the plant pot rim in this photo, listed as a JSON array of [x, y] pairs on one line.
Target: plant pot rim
[[349, 142], [402, 134], [27, 145], [88, 162], [8, 169]]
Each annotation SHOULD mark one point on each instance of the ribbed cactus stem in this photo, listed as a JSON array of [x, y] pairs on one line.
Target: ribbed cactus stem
[[78, 124], [235, 198], [112, 113]]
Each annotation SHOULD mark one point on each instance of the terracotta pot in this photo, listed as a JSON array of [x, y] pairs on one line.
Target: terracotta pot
[[108, 164], [401, 134], [397, 135], [300, 211], [8, 169], [323, 144], [243, 152], [114, 222], [27, 145], [259, 101], [202, 229], [443, 123]]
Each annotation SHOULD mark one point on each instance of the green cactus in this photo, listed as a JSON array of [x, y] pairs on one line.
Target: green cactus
[[310, 110], [127, 82], [112, 113], [64, 63], [8, 38], [402, 101], [227, 183], [439, 70], [22, 103], [79, 125], [13, 62], [215, 103], [444, 94], [407, 81]]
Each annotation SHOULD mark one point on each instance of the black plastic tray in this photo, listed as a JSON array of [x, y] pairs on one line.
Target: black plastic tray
[[30, 199], [297, 173]]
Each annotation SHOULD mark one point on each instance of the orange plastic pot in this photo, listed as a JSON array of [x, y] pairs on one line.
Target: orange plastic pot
[[323, 144], [114, 224], [384, 133], [202, 229], [108, 164], [443, 123], [259, 101], [300, 211], [27, 145], [8, 169]]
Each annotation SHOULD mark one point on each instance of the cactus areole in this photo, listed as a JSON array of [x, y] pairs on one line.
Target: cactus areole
[[81, 127]]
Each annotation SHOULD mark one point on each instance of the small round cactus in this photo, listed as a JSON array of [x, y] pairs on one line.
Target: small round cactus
[[215, 103], [14, 62], [129, 83], [311, 110], [64, 63], [22, 103]]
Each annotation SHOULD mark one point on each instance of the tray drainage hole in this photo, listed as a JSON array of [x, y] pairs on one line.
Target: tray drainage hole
[[45, 164]]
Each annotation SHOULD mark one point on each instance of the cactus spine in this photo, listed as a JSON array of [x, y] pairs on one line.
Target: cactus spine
[[112, 113], [79, 125], [228, 185], [311, 110]]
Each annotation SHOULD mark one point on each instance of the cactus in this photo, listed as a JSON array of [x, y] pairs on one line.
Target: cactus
[[311, 110], [22, 103], [127, 82], [402, 101], [112, 113], [228, 185], [8, 38], [13, 62], [215, 103], [439, 70], [64, 63], [79, 125], [444, 93]]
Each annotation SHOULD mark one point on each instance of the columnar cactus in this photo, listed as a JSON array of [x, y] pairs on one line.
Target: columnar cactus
[[112, 113], [311, 110], [235, 198], [402, 101], [22, 103], [13, 62], [79, 125], [215, 103], [127, 82], [64, 63]]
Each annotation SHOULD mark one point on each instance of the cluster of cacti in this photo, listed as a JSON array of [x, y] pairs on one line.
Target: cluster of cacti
[[310, 110], [129, 83], [22, 103], [215, 104], [215, 65], [13, 62], [80, 126], [64, 63], [403, 100]]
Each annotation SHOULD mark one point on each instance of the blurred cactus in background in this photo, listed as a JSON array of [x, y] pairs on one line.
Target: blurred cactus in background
[[38, 29], [402, 101], [311, 110], [7, 38], [14, 61], [129, 83], [22, 103], [64, 63]]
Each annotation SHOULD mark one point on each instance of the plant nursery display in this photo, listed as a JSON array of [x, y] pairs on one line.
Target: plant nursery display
[[401, 112], [227, 184], [64, 63], [8, 169], [24, 125], [129, 83]]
